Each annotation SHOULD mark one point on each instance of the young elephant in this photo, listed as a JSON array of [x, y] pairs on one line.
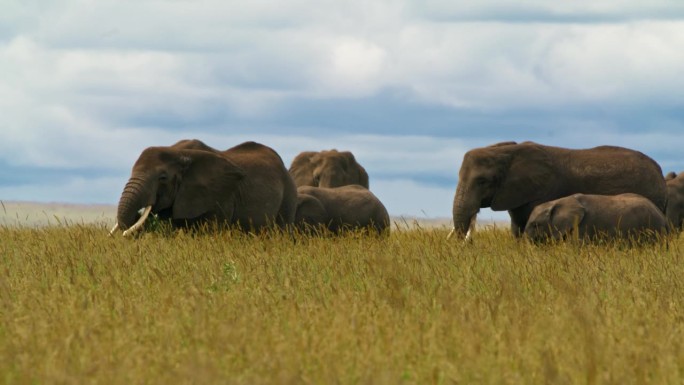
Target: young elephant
[[675, 199], [628, 216], [339, 208]]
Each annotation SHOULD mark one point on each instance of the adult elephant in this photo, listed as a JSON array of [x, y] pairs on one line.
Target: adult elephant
[[340, 208], [675, 199], [189, 182], [330, 168], [519, 176], [596, 217]]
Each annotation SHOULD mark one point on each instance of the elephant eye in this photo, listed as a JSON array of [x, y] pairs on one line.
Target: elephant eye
[[163, 177], [481, 181]]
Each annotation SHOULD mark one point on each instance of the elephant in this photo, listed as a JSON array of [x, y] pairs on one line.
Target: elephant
[[675, 199], [340, 208], [595, 217], [190, 183], [519, 176], [330, 168]]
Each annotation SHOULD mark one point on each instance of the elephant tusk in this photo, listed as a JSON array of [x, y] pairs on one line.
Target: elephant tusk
[[471, 229], [469, 234], [139, 223], [116, 226]]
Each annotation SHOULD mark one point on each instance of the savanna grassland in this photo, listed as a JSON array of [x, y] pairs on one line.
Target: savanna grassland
[[77, 306]]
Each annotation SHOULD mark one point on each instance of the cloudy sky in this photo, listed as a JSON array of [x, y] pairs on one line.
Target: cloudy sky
[[408, 86]]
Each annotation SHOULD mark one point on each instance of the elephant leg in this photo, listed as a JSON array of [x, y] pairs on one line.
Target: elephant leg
[[519, 217], [286, 213], [515, 229]]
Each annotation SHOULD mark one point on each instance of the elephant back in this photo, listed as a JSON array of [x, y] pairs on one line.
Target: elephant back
[[267, 188], [612, 170]]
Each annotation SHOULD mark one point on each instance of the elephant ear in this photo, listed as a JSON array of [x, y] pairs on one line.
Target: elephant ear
[[302, 168], [527, 176], [208, 181], [362, 175], [544, 213], [567, 215], [310, 210], [347, 160]]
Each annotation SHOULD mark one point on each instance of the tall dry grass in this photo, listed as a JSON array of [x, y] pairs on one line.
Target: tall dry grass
[[223, 307]]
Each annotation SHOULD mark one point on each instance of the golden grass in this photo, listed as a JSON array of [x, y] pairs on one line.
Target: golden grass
[[77, 306]]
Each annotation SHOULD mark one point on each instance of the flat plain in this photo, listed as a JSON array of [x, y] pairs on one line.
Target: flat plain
[[77, 306]]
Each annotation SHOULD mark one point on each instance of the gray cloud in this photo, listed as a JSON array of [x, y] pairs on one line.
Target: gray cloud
[[582, 11]]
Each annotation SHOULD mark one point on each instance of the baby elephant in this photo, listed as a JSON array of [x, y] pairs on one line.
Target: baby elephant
[[340, 208], [629, 216]]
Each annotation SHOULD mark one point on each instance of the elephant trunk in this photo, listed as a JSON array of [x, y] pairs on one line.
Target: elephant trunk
[[331, 175], [136, 195], [464, 212], [329, 180]]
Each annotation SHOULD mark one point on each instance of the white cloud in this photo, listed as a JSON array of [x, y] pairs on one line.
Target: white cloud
[[355, 68], [85, 86], [507, 66], [631, 62], [248, 57]]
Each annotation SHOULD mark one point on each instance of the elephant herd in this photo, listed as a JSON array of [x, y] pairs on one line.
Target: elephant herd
[[549, 192], [553, 192], [248, 186]]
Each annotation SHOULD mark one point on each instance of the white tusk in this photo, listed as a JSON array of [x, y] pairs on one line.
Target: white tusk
[[139, 223], [469, 234], [471, 228], [116, 226]]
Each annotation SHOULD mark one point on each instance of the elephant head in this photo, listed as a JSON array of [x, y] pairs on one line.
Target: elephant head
[[310, 213], [178, 183], [555, 219], [327, 169], [503, 176], [675, 199]]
